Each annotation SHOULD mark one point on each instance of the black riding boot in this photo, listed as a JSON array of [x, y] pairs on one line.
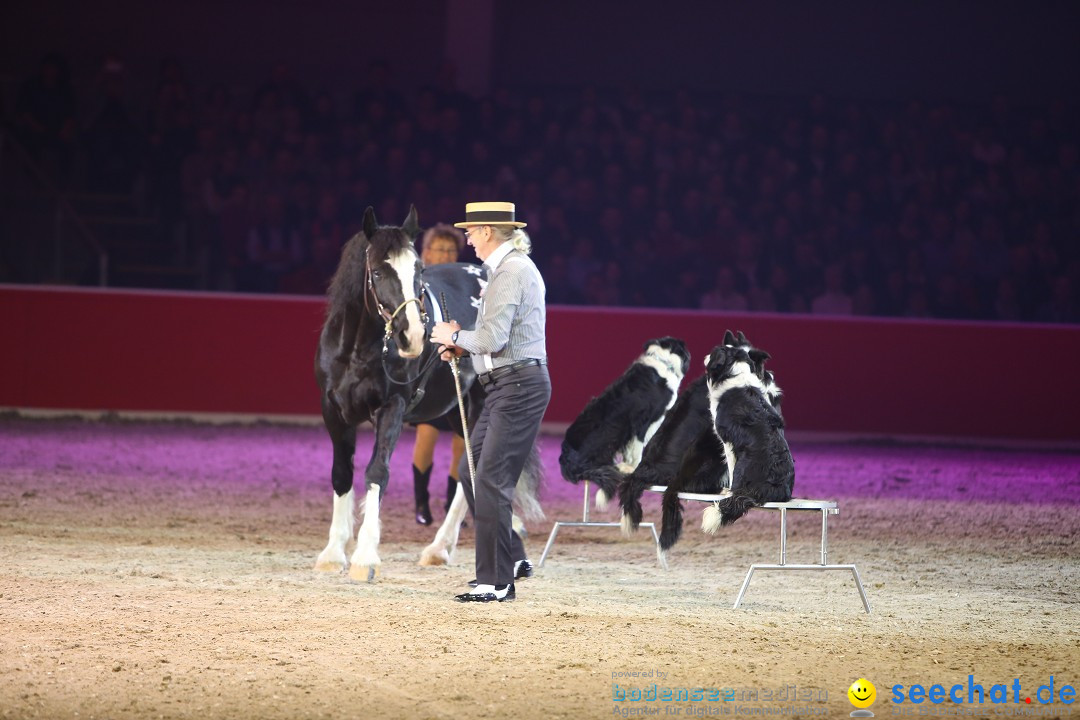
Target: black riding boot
[[420, 490]]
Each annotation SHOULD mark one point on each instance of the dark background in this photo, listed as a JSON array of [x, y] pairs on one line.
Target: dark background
[[951, 49], [722, 98]]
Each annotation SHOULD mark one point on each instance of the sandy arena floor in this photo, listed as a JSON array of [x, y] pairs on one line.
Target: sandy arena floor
[[164, 570]]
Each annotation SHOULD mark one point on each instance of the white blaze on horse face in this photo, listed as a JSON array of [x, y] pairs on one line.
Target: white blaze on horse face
[[404, 264]]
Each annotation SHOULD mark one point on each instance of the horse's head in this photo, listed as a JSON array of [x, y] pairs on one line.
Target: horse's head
[[393, 283]]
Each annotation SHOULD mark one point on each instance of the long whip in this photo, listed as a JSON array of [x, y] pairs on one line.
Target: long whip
[[461, 402]]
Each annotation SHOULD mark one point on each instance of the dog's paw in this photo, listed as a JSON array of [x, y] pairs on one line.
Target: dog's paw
[[711, 520]]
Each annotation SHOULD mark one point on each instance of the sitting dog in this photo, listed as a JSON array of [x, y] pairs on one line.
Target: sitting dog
[[687, 424], [752, 434], [623, 418], [685, 421], [704, 467]]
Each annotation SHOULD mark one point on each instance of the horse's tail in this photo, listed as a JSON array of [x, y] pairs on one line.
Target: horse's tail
[[671, 519], [726, 511], [528, 486], [630, 491]]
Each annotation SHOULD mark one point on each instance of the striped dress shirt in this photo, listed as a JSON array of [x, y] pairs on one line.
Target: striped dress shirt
[[512, 319]]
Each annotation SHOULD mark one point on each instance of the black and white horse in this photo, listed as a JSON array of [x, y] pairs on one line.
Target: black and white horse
[[374, 363]]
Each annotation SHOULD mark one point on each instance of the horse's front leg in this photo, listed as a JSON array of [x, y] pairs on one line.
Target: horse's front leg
[[441, 549], [365, 559], [332, 558]]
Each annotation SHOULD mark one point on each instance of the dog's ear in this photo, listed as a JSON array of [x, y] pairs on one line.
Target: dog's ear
[[370, 224], [758, 357], [684, 353], [742, 339], [729, 339], [411, 226], [715, 356]]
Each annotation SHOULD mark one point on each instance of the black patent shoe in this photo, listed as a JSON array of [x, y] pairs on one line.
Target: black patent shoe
[[503, 593], [523, 570], [423, 514]]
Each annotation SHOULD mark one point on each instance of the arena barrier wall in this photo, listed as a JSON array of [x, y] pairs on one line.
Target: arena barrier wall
[[100, 350]]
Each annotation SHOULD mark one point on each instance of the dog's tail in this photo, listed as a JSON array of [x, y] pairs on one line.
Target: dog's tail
[[671, 523], [526, 493], [726, 511], [630, 491]]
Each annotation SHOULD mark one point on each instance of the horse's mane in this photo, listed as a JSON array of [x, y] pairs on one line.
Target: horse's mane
[[347, 285]]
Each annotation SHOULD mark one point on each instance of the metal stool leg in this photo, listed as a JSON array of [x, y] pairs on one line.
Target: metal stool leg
[[550, 542], [742, 590], [824, 536], [862, 592], [783, 536]]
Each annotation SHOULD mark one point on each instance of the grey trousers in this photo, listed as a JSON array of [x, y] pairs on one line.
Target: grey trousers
[[504, 434]]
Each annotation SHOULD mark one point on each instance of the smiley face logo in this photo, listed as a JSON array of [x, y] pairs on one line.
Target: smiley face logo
[[862, 693]]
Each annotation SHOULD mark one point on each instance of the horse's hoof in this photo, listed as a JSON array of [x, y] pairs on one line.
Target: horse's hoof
[[328, 566], [364, 573], [431, 557]]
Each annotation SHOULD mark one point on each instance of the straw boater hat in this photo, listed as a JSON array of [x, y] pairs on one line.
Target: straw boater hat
[[489, 213]]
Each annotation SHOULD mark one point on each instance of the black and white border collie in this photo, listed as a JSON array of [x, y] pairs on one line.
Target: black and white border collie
[[751, 432], [685, 421], [622, 419], [703, 468], [665, 461]]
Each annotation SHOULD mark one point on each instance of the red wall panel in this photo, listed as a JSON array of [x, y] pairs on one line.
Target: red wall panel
[[117, 350]]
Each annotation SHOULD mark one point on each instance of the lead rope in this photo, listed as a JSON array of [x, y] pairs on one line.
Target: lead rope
[[461, 403]]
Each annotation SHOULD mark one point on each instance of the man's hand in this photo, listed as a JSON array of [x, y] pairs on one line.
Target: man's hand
[[443, 333], [449, 354]]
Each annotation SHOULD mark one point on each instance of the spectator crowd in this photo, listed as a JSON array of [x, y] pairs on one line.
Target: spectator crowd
[[677, 199]]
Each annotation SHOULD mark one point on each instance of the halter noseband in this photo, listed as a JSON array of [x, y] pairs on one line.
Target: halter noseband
[[387, 316]]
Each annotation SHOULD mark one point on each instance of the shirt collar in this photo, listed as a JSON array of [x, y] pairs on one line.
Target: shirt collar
[[498, 254]]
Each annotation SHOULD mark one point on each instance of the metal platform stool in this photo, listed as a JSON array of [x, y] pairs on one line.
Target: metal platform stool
[[585, 522], [825, 507]]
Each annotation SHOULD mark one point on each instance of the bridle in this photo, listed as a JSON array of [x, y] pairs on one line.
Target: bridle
[[387, 316], [388, 331]]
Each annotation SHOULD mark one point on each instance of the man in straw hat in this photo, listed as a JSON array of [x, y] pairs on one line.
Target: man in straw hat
[[509, 354]]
